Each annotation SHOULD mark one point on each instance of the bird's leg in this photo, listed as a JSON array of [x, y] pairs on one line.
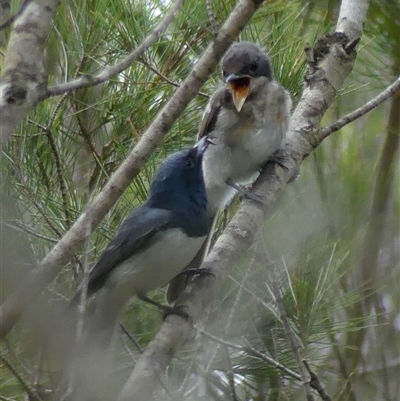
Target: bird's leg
[[243, 191], [167, 310]]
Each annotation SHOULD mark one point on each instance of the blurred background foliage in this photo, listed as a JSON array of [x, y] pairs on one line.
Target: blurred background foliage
[[333, 239]]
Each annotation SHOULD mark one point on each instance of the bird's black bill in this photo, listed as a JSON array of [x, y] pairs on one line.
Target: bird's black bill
[[240, 88], [202, 145]]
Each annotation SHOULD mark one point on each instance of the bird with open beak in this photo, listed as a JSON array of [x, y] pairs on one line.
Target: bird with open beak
[[246, 119]]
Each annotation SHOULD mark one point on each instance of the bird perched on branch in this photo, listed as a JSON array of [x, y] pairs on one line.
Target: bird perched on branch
[[156, 241], [246, 118]]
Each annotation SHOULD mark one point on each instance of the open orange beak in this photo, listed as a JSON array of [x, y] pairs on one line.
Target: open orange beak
[[240, 88]]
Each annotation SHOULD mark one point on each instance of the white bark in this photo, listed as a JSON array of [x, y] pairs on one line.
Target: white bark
[[24, 79]]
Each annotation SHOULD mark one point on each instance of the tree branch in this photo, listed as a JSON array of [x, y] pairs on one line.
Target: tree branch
[[331, 62], [24, 77], [367, 107], [250, 350], [108, 72], [101, 204], [6, 8], [315, 383], [166, 79], [4, 11], [290, 335]]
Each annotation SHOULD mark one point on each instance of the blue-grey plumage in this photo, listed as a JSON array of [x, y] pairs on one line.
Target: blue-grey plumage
[[158, 239], [247, 119]]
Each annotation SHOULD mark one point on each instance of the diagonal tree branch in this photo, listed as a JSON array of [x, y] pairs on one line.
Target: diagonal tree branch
[[355, 114], [4, 11], [97, 209], [108, 72], [330, 63], [6, 7]]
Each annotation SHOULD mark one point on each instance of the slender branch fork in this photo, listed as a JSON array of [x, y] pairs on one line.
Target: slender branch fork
[[248, 349], [108, 72], [354, 115]]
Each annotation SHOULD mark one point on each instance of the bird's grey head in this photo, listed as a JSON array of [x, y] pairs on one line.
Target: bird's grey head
[[179, 178], [242, 63], [246, 58]]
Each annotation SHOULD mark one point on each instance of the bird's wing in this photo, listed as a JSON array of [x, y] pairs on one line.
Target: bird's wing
[[134, 235], [178, 284], [211, 112]]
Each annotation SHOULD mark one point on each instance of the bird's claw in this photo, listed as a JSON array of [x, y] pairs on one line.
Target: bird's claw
[[188, 273], [167, 310], [244, 192]]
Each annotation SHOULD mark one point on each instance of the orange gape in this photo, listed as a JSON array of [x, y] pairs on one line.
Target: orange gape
[[240, 88]]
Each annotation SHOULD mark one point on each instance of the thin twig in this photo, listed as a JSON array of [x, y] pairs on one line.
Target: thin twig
[[56, 109], [139, 348], [367, 107], [211, 18], [231, 375], [57, 160], [22, 227], [129, 335], [32, 198], [315, 383], [251, 351], [31, 393], [291, 336], [294, 344], [59, 174], [165, 78], [89, 80], [37, 373]]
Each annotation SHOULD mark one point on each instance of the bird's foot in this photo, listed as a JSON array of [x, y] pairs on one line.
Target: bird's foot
[[188, 273], [167, 310], [245, 193]]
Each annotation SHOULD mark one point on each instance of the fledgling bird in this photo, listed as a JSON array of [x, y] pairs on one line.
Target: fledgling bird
[[246, 118], [157, 240]]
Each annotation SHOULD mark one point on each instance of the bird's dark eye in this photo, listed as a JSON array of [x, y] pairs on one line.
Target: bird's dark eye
[[225, 74], [189, 162], [253, 66]]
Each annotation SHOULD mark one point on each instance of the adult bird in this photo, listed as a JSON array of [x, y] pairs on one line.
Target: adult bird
[[156, 241], [246, 118]]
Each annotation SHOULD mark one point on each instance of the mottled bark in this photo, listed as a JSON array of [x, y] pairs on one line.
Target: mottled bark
[[4, 11], [24, 76]]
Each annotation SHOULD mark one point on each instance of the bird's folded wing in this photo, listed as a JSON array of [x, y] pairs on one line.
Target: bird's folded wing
[[211, 112], [134, 235]]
